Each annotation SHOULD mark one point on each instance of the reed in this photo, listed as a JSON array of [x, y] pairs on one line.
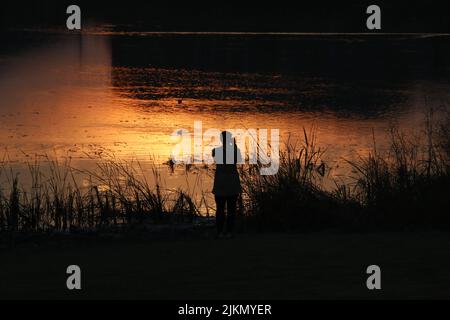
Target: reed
[[117, 194], [293, 198], [405, 187], [408, 185]]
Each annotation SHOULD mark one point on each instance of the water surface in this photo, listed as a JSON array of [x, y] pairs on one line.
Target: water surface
[[123, 93]]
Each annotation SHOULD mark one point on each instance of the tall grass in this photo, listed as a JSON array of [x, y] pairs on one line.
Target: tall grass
[[407, 186], [293, 198], [117, 194]]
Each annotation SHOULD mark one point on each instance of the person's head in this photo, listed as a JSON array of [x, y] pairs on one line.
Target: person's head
[[226, 138]]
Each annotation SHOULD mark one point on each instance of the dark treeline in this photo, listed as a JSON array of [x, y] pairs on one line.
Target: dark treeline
[[311, 16]]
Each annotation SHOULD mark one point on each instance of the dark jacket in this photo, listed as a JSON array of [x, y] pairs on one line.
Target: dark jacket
[[226, 177]]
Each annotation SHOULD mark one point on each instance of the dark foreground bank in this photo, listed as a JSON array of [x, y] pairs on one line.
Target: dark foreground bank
[[258, 266]]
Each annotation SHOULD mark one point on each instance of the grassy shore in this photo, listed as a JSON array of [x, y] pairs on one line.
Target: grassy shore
[[295, 239], [252, 266], [402, 188]]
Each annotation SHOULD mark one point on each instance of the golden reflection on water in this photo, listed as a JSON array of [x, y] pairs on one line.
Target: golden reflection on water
[[61, 100]]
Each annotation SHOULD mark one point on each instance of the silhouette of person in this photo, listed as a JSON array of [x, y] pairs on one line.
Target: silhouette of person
[[227, 185]]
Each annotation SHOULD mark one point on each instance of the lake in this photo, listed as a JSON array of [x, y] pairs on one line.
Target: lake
[[105, 92]]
